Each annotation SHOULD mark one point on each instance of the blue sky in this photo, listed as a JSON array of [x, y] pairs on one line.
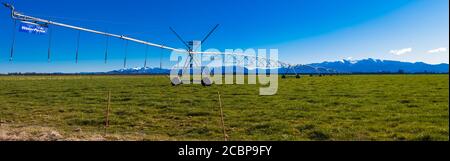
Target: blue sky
[[304, 31]]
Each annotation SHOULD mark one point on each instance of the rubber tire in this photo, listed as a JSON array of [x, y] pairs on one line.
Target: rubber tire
[[206, 82], [176, 81]]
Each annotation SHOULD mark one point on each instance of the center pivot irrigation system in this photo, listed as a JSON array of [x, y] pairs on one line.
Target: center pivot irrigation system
[[191, 48]]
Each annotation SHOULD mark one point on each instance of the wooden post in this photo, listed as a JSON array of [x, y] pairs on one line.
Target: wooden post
[[225, 136], [107, 112]]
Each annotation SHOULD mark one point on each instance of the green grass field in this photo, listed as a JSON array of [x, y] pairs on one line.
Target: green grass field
[[354, 107]]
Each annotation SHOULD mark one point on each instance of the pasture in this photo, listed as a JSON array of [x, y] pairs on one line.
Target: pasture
[[345, 107]]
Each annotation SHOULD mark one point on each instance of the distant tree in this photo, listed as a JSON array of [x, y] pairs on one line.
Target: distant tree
[[401, 71]]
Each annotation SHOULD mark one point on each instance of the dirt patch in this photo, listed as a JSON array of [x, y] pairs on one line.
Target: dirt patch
[[8, 133], [37, 133]]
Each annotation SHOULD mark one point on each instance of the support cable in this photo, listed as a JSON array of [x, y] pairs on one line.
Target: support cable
[[146, 56], [126, 55], [106, 49], [78, 47], [49, 45], [13, 41]]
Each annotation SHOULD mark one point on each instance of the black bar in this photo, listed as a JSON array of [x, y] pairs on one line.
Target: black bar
[[279, 150]]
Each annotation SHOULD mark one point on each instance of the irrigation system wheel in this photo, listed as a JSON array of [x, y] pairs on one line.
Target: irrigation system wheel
[[206, 81], [176, 81]]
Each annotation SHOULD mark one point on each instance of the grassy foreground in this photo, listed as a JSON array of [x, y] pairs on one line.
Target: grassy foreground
[[356, 107]]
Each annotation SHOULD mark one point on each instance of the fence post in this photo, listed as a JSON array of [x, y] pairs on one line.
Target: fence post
[[225, 136], [107, 112]]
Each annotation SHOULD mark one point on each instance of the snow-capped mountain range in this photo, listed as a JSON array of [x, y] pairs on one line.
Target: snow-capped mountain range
[[377, 66], [342, 66]]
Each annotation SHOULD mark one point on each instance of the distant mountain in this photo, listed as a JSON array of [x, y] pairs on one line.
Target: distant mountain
[[343, 66], [142, 70], [379, 66]]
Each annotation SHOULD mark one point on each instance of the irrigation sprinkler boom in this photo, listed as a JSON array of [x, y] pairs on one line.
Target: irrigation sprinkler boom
[[22, 17], [190, 50]]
